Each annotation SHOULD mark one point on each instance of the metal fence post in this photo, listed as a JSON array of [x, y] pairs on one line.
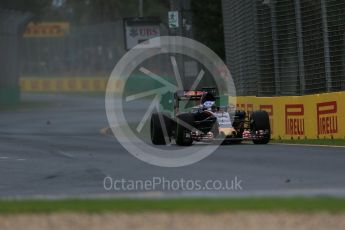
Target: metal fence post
[[300, 46], [326, 46], [272, 5]]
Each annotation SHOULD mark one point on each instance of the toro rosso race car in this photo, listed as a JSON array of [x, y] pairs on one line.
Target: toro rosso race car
[[207, 122]]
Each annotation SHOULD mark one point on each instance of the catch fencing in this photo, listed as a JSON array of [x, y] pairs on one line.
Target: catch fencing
[[11, 27], [285, 47], [81, 50]]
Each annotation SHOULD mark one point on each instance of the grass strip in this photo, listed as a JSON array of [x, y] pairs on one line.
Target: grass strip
[[335, 142], [208, 205], [25, 105]]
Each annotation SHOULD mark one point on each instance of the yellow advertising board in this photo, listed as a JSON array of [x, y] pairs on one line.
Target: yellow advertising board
[[46, 29], [64, 84], [301, 117]]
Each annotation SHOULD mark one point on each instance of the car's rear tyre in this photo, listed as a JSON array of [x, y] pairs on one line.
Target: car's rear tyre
[[260, 121], [183, 134], [261, 141], [156, 129]]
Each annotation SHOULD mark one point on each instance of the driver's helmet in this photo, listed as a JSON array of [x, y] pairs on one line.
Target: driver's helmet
[[208, 105]]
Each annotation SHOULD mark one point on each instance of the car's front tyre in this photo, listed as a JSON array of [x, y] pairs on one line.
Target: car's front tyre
[[156, 128], [184, 134], [260, 123]]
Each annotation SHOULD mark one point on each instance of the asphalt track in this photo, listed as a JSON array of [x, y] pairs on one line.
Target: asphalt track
[[58, 151]]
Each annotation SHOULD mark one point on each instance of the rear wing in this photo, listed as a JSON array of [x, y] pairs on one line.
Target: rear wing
[[190, 95], [194, 95]]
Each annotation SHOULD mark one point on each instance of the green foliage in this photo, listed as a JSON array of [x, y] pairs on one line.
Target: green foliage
[[88, 11], [208, 24], [98, 11], [36, 7]]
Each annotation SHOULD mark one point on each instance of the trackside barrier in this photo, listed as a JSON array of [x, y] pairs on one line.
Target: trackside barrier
[[319, 116], [291, 117], [65, 84], [86, 84]]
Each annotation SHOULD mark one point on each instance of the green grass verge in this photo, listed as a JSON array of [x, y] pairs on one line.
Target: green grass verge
[[26, 105], [333, 205], [337, 142]]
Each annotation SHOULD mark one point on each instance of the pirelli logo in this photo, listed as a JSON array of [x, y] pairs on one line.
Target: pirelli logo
[[294, 119], [327, 119]]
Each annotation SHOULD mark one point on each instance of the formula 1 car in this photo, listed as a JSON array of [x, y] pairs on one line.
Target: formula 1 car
[[208, 122]]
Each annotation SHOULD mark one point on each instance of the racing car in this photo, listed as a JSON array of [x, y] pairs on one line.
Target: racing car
[[207, 121]]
